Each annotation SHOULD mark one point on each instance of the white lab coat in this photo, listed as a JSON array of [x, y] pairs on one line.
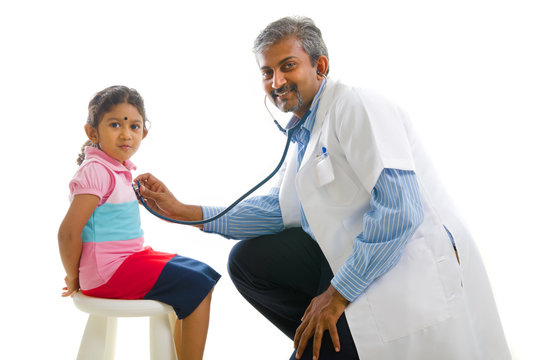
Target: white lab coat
[[428, 306]]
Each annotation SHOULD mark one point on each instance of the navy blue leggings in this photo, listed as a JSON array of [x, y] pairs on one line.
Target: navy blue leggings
[[279, 275]]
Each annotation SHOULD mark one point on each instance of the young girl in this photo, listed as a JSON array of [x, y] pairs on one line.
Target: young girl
[[100, 239]]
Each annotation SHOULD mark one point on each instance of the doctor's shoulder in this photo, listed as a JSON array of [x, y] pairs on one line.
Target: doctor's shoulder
[[352, 103], [349, 103], [347, 97]]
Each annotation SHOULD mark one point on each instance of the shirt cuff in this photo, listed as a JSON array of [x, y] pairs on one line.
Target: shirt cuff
[[349, 283], [219, 226]]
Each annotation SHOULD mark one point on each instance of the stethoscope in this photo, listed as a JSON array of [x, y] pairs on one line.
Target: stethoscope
[[289, 132]]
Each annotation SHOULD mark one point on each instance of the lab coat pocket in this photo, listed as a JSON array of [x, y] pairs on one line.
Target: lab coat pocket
[[335, 186], [324, 173], [450, 275], [410, 297], [449, 268]]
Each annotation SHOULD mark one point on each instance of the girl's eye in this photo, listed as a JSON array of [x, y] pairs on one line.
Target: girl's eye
[[135, 127], [114, 125]]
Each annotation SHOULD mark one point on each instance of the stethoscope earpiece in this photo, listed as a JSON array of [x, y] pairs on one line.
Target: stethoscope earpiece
[[319, 73]]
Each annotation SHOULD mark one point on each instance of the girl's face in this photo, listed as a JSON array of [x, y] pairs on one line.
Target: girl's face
[[119, 132]]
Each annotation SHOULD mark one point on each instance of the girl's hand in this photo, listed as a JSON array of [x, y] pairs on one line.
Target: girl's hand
[[72, 286]]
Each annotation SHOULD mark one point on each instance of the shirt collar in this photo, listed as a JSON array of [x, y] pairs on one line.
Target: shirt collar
[[309, 116], [95, 153], [309, 124]]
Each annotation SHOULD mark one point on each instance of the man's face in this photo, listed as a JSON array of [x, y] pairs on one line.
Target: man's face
[[289, 78]]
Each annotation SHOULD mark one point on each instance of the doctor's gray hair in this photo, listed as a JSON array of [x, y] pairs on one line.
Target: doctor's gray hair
[[303, 28]]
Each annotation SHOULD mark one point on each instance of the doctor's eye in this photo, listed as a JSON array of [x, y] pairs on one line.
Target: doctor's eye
[[267, 74], [289, 66]]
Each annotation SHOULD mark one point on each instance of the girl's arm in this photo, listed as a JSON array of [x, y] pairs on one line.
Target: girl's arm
[[78, 214]]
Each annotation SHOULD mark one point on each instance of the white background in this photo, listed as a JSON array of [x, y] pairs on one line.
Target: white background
[[469, 73]]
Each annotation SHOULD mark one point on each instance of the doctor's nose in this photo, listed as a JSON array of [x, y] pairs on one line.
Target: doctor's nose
[[278, 80]]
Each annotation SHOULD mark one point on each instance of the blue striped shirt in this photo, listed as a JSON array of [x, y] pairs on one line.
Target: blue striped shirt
[[395, 213]]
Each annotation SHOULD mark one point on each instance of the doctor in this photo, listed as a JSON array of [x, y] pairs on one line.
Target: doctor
[[357, 252]]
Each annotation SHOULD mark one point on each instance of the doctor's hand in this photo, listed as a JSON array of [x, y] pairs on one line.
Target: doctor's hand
[[322, 314], [157, 195], [161, 200]]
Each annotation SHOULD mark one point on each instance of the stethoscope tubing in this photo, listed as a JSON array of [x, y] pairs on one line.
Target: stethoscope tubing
[[289, 134]]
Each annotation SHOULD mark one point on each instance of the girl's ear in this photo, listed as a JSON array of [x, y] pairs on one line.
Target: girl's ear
[[92, 134], [145, 134]]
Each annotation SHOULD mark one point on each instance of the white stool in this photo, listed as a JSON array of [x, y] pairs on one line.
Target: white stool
[[98, 340]]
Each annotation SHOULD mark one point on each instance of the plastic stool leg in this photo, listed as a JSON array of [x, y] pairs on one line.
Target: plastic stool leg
[[161, 342], [98, 341], [111, 338], [172, 317]]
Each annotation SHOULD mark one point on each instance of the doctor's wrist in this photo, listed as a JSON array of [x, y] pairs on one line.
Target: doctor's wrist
[[337, 296], [186, 212], [346, 288]]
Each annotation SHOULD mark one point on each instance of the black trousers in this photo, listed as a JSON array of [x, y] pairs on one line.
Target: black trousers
[[279, 275]]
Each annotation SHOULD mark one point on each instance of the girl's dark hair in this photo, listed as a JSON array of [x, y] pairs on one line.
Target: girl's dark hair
[[103, 101]]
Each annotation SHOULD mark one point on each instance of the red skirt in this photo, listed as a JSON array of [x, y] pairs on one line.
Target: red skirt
[[175, 280]]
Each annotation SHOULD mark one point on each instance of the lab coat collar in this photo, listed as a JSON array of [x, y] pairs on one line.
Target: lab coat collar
[[314, 106], [309, 116], [328, 91]]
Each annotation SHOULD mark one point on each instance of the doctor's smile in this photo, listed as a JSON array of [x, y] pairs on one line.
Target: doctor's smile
[[289, 76], [283, 91], [281, 97]]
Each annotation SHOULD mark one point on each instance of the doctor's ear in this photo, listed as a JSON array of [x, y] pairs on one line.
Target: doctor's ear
[[322, 67]]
